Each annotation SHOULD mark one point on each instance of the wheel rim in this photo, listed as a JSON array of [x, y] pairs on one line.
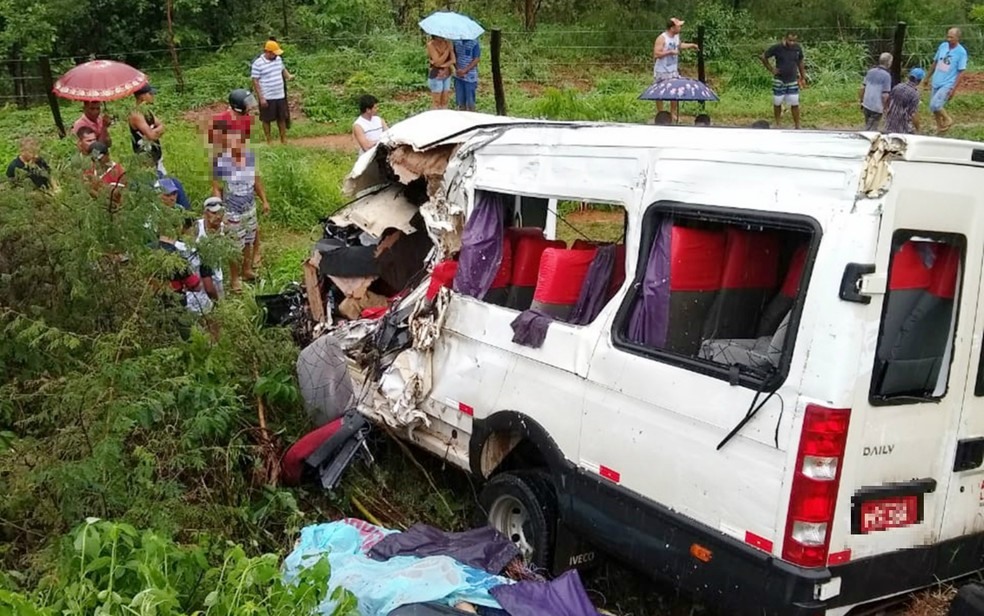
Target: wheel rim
[[509, 516]]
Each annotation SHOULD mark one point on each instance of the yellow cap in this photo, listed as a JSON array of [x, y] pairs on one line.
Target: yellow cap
[[273, 47]]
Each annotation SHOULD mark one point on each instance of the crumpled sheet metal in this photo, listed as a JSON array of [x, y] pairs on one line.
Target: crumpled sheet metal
[[410, 164], [403, 385]]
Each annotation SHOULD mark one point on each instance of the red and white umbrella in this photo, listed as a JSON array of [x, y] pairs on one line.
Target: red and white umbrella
[[99, 80]]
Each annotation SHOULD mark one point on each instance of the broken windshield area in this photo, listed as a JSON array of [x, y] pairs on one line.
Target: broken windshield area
[[717, 294]]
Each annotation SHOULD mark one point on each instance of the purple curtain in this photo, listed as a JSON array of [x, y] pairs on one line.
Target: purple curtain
[[481, 246], [564, 596], [595, 287], [651, 312], [530, 328]]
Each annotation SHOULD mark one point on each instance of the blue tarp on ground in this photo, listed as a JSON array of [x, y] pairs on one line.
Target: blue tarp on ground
[[381, 587]]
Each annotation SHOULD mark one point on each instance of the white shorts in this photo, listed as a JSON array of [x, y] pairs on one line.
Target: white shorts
[[788, 93]]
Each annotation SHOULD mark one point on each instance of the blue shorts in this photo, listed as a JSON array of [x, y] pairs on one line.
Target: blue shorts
[[787, 92], [938, 98], [464, 93], [439, 85]]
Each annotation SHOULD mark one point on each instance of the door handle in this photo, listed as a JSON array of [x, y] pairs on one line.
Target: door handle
[[970, 454]]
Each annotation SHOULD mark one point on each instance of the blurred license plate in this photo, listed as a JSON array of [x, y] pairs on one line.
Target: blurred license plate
[[888, 513]]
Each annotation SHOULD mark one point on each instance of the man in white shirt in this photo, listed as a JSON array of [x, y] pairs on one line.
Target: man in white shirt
[[268, 74], [368, 128]]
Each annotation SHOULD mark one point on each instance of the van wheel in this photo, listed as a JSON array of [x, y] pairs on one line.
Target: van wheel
[[522, 506]]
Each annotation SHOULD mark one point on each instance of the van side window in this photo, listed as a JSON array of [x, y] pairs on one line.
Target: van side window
[[560, 258], [717, 293], [915, 339]]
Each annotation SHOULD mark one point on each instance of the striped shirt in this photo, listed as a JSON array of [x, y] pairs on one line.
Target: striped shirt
[[270, 74], [465, 52], [903, 103]]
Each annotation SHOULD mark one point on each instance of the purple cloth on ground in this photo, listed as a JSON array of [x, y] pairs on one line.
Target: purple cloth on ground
[[564, 596], [595, 287], [651, 313], [530, 328], [482, 548], [481, 246]]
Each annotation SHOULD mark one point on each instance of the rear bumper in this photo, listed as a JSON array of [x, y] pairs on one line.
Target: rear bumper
[[740, 579], [904, 570]]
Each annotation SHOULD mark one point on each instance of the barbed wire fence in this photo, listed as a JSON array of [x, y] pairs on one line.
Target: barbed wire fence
[[553, 55]]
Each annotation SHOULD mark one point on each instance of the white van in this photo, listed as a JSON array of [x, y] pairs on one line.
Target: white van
[[776, 403]]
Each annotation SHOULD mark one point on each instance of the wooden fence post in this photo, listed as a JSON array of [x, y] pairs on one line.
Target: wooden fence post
[[178, 77], [49, 85], [897, 47], [500, 93], [701, 74]]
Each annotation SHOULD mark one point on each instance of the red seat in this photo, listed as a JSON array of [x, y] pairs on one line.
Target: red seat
[[526, 268], [499, 291], [441, 276], [750, 275], [696, 269], [562, 273]]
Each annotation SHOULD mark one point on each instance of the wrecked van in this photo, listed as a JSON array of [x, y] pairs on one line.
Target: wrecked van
[[767, 390]]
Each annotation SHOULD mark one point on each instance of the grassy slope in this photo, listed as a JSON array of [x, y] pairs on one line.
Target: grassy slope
[[304, 184]]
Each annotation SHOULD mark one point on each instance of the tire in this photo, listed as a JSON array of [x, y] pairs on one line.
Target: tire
[[522, 505]]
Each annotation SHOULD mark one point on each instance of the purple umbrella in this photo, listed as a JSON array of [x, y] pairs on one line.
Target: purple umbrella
[[679, 89]]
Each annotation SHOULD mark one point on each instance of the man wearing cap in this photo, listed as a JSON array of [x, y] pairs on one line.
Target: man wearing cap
[[788, 75], [666, 60], [947, 71], [268, 74], [93, 118], [210, 224], [901, 112], [146, 129]]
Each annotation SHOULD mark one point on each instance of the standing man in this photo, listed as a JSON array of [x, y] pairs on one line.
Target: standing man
[[666, 60], [788, 75], [146, 129], [93, 117], [874, 92], [947, 71], [901, 111], [467, 54], [268, 74]]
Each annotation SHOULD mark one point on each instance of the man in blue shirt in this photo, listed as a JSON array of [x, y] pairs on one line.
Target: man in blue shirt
[[467, 55], [949, 64]]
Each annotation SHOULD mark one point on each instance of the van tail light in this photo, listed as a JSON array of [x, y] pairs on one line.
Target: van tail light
[[816, 479]]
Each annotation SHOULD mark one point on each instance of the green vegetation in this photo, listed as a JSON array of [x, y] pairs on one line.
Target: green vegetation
[[114, 405]]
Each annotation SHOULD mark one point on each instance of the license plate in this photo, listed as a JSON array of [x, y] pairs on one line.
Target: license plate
[[886, 513]]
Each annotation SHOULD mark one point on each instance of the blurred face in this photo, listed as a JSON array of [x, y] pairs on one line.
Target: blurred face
[[952, 37], [373, 111], [790, 40], [234, 141], [85, 142], [92, 109], [213, 219], [269, 55], [146, 98], [170, 200], [29, 151], [675, 29]]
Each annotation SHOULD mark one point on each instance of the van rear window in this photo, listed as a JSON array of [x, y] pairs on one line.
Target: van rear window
[[919, 315], [718, 291]]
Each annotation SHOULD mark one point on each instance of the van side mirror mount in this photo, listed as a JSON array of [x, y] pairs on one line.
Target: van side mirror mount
[[860, 282]]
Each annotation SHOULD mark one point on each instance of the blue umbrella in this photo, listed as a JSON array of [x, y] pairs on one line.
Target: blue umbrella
[[679, 89], [452, 26]]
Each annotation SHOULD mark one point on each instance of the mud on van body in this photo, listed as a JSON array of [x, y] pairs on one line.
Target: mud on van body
[[767, 392]]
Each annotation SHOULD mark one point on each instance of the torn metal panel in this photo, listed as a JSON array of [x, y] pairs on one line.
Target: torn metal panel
[[877, 173], [409, 164], [378, 210]]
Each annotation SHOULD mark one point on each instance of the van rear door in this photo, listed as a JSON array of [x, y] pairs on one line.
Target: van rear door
[[906, 419]]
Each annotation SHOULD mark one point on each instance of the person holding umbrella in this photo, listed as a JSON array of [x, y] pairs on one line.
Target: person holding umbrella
[[464, 32], [666, 60], [441, 59]]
